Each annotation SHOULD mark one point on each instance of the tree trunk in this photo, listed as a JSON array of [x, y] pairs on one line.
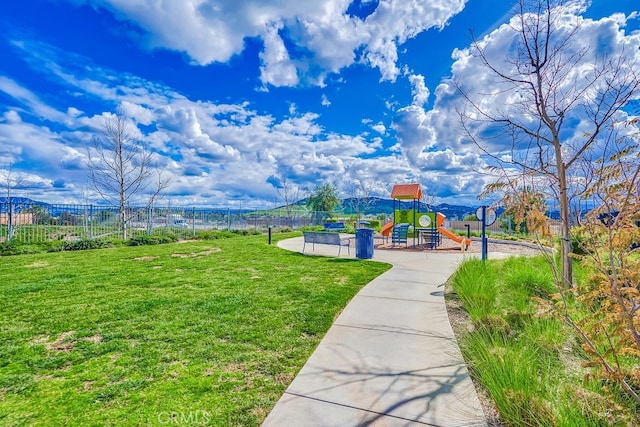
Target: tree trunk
[[565, 225], [10, 220]]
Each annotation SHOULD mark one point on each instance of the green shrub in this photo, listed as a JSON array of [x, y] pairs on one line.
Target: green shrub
[[7, 248], [83, 244], [13, 248], [220, 234], [154, 239], [52, 246], [375, 224], [247, 232], [308, 228]]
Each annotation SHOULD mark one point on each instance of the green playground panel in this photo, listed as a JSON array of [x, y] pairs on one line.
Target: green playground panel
[[417, 219]]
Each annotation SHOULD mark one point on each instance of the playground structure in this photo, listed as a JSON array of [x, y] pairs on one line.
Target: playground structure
[[426, 227]]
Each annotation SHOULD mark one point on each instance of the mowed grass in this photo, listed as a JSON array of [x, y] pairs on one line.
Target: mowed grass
[[207, 332]]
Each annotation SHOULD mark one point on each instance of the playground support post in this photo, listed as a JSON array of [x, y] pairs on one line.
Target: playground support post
[[484, 234]]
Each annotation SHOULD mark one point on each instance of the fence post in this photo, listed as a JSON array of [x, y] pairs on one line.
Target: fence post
[[193, 220], [149, 220], [484, 233]]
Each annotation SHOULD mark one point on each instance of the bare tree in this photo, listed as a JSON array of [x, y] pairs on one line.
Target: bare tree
[[121, 167], [288, 194], [604, 309], [10, 182], [429, 198], [360, 197], [551, 85]]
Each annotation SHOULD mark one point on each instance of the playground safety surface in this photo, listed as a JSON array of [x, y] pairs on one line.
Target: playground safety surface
[[449, 246]]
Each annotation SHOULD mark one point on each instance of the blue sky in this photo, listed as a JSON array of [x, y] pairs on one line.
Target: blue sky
[[233, 96]]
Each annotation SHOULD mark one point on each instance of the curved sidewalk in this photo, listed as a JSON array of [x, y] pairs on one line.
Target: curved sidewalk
[[390, 358]]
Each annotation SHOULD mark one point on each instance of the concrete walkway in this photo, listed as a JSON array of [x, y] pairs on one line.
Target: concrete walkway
[[390, 358]]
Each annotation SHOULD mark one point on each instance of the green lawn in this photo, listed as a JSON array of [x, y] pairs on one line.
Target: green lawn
[[207, 332]]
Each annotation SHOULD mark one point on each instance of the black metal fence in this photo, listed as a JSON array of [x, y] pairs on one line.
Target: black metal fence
[[36, 222], [32, 222]]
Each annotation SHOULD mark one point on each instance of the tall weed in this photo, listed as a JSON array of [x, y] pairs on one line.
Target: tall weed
[[529, 361], [475, 285]]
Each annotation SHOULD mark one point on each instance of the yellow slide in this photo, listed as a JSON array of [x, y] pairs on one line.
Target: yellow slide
[[448, 234]]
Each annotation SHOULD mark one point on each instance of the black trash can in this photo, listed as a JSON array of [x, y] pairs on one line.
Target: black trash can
[[364, 243]]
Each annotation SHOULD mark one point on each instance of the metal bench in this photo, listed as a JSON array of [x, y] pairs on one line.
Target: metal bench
[[334, 226], [325, 238]]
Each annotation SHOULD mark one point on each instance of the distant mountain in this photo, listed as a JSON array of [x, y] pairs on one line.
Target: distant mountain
[[376, 205], [19, 200], [370, 206], [453, 212]]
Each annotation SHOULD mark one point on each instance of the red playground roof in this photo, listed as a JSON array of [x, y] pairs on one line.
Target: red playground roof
[[406, 191]]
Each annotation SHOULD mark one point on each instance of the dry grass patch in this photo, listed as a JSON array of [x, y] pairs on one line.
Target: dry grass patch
[[284, 379], [196, 254], [146, 258], [94, 339], [37, 264]]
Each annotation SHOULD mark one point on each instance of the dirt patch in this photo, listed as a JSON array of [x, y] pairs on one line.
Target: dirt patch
[[146, 258], [65, 342], [62, 343], [197, 254]]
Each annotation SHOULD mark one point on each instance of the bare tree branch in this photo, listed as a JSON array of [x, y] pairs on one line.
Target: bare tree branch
[[121, 166], [547, 71]]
